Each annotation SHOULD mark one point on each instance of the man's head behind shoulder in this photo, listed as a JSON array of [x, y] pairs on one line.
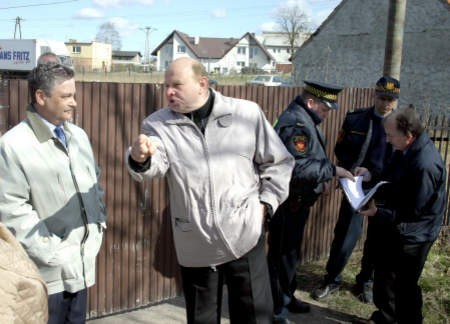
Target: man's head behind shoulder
[[388, 86], [387, 92]]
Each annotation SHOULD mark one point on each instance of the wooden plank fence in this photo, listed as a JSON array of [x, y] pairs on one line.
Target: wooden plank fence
[[137, 264]]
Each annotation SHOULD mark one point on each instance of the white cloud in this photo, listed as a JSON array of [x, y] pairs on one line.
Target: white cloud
[[107, 3], [269, 26], [219, 13], [123, 26], [316, 10], [88, 13], [145, 2], [121, 3], [305, 5]]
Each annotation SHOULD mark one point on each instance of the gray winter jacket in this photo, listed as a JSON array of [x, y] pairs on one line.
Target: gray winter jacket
[[217, 180]]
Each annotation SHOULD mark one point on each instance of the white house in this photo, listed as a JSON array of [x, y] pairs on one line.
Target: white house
[[277, 44], [219, 55], [126, 57]]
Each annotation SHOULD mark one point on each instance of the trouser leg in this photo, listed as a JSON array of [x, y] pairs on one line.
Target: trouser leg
[[249, 294], [408, 293], [367, 260], [202, 289], [384, 277], [346, 233], [66, 307], [285, 239]]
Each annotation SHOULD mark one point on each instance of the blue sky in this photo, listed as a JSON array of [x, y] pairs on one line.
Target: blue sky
[[80, 19]]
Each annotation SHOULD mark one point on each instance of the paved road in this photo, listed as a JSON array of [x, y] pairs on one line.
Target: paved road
[[173, 312]]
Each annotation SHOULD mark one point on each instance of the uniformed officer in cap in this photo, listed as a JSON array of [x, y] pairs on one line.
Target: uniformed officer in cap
[[298, 128], [361, 147]]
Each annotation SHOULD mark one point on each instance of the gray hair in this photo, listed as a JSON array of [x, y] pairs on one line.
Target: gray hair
[[45, 76], [407, 121]]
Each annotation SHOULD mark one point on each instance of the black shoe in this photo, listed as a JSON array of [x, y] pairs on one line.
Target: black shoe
[[365, 293], [323, 292], [297, 306]]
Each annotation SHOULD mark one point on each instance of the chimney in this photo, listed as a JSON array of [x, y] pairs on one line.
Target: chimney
[[196, 40]]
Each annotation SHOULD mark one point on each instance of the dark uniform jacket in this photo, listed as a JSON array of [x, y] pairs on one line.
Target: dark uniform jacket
[[415, 199], [298, 128], [361, 142]]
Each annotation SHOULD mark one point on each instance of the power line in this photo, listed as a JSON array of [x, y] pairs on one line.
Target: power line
[[38, 4]]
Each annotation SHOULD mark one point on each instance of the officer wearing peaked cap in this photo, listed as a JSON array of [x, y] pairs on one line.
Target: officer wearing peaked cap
[[361, 147], [327, 93], [298, 128]]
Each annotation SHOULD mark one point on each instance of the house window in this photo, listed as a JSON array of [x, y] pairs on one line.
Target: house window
[[241, 50], [240, 63], [181, 49], [253, 52], [76, 49]]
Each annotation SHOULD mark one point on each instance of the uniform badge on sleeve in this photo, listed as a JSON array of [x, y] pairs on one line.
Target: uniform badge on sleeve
[[300, 144], [340, 136]]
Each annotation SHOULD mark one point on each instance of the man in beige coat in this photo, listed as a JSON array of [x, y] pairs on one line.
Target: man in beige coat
[[50, 196]]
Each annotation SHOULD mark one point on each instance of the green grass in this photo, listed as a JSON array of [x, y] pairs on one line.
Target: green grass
[[435, 283]]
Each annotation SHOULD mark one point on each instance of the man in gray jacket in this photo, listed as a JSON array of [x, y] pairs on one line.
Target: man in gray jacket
[[50, 197], [227, 170]]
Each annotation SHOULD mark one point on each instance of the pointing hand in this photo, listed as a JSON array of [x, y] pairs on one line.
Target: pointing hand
[[142, 148]]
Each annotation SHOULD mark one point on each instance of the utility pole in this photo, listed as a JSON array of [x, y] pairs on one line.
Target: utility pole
[[394, 38], [147, 43], [17, 26]]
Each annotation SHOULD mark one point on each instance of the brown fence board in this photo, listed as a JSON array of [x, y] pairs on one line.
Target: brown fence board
[[137, 263]]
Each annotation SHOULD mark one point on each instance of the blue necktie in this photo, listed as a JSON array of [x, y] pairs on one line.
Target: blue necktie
[[59, 132]]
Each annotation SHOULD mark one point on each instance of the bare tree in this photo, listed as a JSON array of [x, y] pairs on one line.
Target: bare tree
[[107, 33], [295, 23]]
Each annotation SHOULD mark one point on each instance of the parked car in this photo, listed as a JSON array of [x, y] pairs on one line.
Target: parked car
[[268, 80]]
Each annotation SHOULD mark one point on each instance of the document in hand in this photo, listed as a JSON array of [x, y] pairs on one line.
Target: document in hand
[[354, 191]]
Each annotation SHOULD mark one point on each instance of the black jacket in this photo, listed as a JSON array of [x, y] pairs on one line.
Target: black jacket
[[362, 142], [416, 197], [298, 128]]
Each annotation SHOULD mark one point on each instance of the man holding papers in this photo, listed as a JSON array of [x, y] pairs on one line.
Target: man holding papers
[[410, 218], [361, 146]]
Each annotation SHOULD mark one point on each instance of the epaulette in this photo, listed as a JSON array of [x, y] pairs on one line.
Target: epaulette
[[358, 111]]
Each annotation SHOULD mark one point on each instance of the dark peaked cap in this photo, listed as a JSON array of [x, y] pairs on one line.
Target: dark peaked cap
[[326, 92], [388, 86]]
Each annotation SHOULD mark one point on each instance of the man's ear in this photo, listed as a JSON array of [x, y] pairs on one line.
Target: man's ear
[[40, 97], [309, 103], [409, 138], [204, 82]]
